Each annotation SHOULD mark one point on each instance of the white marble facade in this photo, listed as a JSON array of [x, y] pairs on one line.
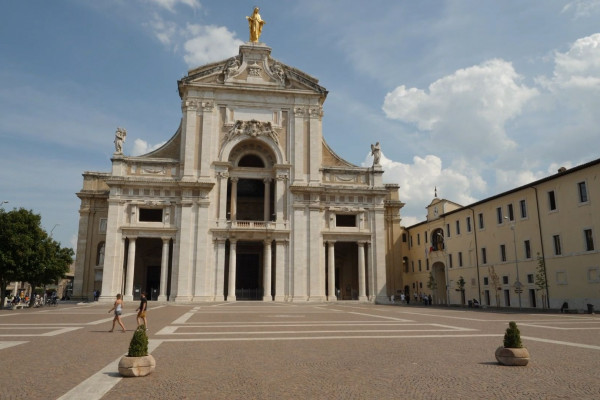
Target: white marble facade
[[245, 202]]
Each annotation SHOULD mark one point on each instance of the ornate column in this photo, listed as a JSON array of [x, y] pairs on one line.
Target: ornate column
[[130, 269], [280, 268], [232, 272], [164, 269], [362, 295], [331, 295], [233, 200], [268, 296], [267, 200], [223, 176], [279, 197], [220, 270]]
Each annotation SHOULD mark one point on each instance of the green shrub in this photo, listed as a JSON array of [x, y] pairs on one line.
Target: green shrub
[[512, 337], [138, 347]]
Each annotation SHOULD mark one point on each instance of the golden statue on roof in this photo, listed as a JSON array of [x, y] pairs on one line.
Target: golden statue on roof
[[255, 23]]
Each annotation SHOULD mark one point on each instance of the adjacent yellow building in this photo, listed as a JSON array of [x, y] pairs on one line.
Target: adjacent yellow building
[[499, 251]]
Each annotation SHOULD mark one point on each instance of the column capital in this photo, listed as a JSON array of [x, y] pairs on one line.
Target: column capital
[[234, 179], [267, 180]]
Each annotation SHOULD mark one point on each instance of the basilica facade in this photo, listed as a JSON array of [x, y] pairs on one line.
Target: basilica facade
[[246, 201]]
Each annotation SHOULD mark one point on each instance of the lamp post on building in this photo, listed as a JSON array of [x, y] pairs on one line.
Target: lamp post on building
[[518, 284], [52, 230]]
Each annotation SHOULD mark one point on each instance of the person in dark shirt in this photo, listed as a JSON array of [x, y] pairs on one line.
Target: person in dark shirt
[[142, 311]]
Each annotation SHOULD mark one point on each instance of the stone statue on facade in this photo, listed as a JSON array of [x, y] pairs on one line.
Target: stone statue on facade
[[120, 135], [255, 23], [278, 70], [376, 152], [231, 67]]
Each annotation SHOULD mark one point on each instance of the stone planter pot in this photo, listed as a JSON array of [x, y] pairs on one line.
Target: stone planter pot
[[512, 356], [136, 366]]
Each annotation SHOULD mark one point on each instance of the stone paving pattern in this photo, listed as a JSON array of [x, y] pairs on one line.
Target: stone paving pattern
[[402, 356]]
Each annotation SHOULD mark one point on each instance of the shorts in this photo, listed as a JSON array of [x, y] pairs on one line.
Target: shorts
[[118, 312], [142, 314]]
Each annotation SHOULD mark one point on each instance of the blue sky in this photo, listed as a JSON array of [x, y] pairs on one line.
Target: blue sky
[[473, 97]]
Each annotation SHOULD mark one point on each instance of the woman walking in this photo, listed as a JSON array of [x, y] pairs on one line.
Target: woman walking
[[118, 308]]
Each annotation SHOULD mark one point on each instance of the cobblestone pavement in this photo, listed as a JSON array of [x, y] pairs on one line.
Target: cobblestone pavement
[[256, 350]]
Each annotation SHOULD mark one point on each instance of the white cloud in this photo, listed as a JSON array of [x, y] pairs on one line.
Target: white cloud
[[578, 68], [165, 31], [209, 44], [466, 111], [582, 8], [142, 147], [419, 180], [171, 4]]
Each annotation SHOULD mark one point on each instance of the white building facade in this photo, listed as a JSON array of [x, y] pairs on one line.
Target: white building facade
[[245, 202]]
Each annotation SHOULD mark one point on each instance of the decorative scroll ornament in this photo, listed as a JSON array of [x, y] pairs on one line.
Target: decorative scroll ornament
[[252, 128]]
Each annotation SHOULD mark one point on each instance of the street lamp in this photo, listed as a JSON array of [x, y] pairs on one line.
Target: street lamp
[[518, 285]]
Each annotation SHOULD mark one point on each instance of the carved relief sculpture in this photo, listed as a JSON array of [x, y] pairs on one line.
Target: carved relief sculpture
[[231, 67], [252, 128], [255, 23], [279, 72], [120, 135]]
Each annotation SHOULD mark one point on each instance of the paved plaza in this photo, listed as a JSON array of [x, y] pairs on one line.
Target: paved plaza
[[256, 350]]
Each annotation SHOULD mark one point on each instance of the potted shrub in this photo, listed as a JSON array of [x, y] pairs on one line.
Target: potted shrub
[[513, 352], [137, 362]]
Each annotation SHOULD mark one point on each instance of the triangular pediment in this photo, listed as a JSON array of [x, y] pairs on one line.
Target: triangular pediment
[[253, 66]]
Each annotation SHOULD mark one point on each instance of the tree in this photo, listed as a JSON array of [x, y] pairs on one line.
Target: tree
[[495, 284], [432, 283], [541, 280], [460, 287], [27, 253]]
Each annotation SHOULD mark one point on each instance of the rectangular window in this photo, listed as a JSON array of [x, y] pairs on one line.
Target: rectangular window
[[529, 278], [511, 214], [583, 197], [468, 224], [551, 200], [427, 264], [345, 220], [447, 230], [483, 256], [499, 214], [458, 227], [523, 208], [425, 237], [404, 237], [481, 225], [151, 214], [419, 265], [418, 239], [502, 252], [486, 281], [505, 279], [411, 241], [527, 249], [450, 260], [460, 262], [589, 240], [557, 249], [412, 264]]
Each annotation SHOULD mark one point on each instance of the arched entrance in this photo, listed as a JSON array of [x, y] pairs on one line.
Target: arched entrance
[[346, 270], [438, 271], [249, 271]]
